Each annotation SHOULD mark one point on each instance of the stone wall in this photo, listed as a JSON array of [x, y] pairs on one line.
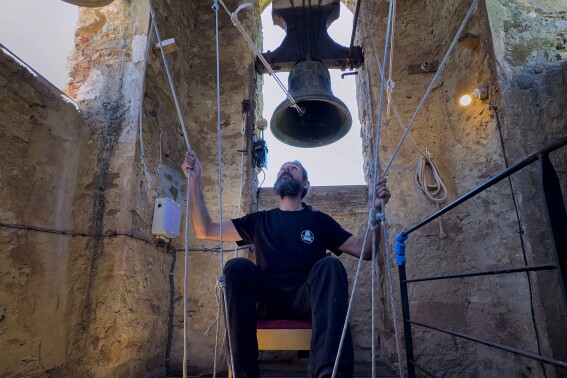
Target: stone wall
[[195, 75], [42, 139], [120, 311], [530, 48], [121, 31], [99, 305], [465, 144]]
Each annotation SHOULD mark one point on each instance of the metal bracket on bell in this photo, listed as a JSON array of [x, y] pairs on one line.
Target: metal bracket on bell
[[307, 37]]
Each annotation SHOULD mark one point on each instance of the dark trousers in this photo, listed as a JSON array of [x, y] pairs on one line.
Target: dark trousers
[[323, 299]]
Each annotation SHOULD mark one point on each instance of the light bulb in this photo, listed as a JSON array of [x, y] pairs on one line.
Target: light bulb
[[465, 100]]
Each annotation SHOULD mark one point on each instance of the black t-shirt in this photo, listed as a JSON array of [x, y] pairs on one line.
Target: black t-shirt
[[289, 243]]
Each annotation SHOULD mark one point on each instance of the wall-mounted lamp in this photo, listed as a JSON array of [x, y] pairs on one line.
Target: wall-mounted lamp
[[476, 95]]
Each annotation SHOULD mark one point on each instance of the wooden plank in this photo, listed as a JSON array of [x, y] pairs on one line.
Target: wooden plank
[[283, 339]]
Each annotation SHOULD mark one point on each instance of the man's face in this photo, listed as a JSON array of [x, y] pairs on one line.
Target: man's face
[[290, 180]]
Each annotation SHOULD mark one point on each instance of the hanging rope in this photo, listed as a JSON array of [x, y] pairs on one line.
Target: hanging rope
[[258, 53], [435, 190], [219, 152], [433, 81], [242, 152], [390, 83], [372, 216], [384, 223], [354, 285], [187, 199], [140, 113]]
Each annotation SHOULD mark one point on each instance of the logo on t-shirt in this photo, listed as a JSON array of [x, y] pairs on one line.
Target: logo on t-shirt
[[307, 236]]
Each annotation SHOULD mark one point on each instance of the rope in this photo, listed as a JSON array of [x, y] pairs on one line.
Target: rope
[[387, 248], [242, 152], [390, 83], [354, 284], [435, 191], [188, 208], [373, 307], [433, 81], [258, 53], [219, 152], [171, 85], [140, 118], [373, 220], [376, 164]]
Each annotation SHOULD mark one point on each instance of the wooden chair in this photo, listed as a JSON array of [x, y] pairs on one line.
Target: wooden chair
[[284, 334], [281, 334]]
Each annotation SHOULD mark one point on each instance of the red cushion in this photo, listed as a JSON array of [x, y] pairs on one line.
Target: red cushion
[[283, 324]]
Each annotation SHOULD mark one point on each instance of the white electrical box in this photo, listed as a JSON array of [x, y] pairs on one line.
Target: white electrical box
[[167, 219]]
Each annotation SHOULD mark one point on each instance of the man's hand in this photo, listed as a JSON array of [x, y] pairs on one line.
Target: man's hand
[[191, 166], [382, 193]]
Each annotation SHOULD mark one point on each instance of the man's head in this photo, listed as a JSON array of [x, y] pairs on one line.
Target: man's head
[[291, 180]]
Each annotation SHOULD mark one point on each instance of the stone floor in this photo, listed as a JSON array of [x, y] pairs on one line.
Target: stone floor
[[298, 368]]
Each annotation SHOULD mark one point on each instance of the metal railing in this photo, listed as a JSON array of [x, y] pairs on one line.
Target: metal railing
[[557, 220]]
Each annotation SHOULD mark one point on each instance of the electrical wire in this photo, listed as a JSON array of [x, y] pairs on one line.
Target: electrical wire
[[521, 233], [156, 243]]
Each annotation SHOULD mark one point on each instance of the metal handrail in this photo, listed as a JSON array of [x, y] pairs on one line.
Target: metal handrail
[[532, 268], [541, 155], [499, 177], [506, 348]]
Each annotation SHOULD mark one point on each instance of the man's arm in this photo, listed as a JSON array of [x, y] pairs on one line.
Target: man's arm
[[203, 225], [353, 245]]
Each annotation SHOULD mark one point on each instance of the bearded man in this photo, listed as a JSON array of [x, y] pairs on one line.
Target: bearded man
[[293, 277]]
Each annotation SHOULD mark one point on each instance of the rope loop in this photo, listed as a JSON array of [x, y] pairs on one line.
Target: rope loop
[[221, 281], [375, 218], [401, 248], [215, 6], [391, 85]]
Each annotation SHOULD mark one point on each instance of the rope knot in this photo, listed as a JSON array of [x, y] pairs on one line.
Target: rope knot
[[401, 248], [391, 85], [375, 218], [221, 281]]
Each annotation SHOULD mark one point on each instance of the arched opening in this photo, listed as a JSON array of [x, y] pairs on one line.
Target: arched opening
[[340, 163]]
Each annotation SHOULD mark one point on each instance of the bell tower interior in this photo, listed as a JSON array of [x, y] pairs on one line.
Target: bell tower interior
[[87, 290]]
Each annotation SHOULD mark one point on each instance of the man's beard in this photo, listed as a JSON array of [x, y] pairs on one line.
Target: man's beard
[[289, 187]]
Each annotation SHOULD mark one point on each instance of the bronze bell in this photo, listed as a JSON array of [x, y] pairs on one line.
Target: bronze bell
[[326, 119]]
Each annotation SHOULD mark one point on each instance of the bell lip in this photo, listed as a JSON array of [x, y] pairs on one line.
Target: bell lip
[[286, 104]]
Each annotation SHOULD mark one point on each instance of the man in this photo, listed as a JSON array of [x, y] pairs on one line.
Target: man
[[293, 277]]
